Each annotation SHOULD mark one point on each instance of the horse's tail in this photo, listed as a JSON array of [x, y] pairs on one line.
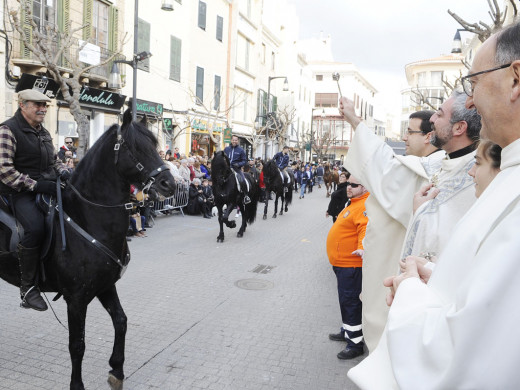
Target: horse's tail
[[290, 189], [254, 195]]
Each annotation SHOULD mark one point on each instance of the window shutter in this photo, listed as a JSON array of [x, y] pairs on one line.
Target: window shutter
[[175, 58], [87, 19], [217, 93], [64, 23], [202, 15], [27, 29], [113, 24], [199, 88], [275, 103], [143, 43], [220, 27]]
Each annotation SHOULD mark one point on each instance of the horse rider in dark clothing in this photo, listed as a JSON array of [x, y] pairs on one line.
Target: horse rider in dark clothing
[[282, 161], [29, 166], [237, 159]]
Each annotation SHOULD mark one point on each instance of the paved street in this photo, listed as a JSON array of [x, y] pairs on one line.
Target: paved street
[[192, 324]]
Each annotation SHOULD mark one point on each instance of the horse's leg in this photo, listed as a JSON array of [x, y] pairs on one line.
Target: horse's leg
[[242, 229], [266, 204], [225, 219], [276, 205], [283, 199], [220, 237], [110, 301], [76, 313]]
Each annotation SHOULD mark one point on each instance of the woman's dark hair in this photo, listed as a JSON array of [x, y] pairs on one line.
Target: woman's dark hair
[[491, 152]]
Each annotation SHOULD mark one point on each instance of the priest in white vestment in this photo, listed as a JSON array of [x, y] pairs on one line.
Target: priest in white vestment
[[393, 181], [460, 331]]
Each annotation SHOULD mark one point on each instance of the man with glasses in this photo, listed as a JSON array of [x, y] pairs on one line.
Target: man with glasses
[[28, 167], [460, 331], [345, 253], [419, 134], [69, 146], [395, 231]]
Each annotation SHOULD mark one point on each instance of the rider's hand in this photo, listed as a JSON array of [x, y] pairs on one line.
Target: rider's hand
[[45, 187], [65, 175]]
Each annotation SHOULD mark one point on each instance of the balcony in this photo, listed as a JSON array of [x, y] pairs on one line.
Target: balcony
[[29, 62]]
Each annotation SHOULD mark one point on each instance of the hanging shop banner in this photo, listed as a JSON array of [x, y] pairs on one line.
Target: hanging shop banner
[[201, 124], [227, 135], [168, 125], [108, 100], [45, 85], [148, 108]]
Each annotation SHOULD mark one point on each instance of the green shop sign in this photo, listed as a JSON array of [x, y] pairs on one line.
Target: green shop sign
[[148, 108], [227, 135], [168, 125]]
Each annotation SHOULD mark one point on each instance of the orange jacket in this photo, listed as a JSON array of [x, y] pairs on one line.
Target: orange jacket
[[347, 233]]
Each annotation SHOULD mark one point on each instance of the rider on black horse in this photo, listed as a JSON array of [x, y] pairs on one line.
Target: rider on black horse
[[282, 161], [29, 166], [237, 159]]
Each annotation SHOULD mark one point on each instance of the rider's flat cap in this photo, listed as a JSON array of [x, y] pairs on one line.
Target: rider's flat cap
[[33, 96]]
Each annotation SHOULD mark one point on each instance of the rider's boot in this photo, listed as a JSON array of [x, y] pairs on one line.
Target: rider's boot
[[29, 259]]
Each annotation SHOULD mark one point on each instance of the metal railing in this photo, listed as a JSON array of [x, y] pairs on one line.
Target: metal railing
[[21, 55], [176, 201]]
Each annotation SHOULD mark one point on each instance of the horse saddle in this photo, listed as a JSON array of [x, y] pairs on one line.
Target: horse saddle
[[11, 231]]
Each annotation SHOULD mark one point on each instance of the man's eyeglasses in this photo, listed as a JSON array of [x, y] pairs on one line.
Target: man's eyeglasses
[[69, 142], [410, 132], [467, 84], [353, 185], [40, 104]]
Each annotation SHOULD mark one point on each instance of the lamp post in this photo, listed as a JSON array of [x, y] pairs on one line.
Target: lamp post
[[285, 89], [114, 74], [312, 131]]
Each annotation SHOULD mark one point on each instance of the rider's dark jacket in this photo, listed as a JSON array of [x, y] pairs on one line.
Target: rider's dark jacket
[[282, 160], [237, 156], [32, 155]]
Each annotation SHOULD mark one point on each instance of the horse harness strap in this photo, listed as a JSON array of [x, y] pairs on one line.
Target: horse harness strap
[[127, 206], [103, 248]]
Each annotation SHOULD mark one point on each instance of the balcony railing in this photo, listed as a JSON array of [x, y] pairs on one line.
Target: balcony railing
[[22, 56]]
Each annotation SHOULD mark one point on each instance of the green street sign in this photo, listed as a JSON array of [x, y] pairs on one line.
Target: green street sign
[[227, 135]]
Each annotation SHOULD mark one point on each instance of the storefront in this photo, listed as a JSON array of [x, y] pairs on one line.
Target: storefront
[[199, 136], [154, 115]]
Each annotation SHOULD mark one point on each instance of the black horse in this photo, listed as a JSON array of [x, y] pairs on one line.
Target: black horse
[[273, 182], [95, 207], [226, 193]]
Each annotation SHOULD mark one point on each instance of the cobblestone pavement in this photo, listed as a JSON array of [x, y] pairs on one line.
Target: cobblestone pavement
[[189, 325]]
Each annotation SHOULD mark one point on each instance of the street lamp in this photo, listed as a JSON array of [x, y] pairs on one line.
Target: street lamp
[[115, 79], [312, 132], [269, 108]]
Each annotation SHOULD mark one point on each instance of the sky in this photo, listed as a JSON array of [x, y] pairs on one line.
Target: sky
[[381, 36]]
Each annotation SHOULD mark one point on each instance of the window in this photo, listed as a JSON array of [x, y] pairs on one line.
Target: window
[[243, 50], [262, 106], [241, 108], [143, 43], [272, 60], [263, 53], [437, 79], [220, 27], [100, 24], [421, 79], [216, 93], [175, 58], [44, 13], [326, 100], [319, 77], [202, 15], [199, 87]]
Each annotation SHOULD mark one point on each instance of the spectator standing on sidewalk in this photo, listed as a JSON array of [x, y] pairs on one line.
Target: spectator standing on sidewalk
[[319, 175], [345, 252], [339, 198]]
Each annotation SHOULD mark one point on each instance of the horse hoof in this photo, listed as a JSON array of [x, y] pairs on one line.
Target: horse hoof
[[114, 383], [265, 217], [220, 239], [281, 212], [232, 225], [240, 234], [274, 215], [328, 195]]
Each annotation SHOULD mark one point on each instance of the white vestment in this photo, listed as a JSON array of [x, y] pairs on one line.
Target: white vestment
[[461, 330], [392, 182], [432, 223]]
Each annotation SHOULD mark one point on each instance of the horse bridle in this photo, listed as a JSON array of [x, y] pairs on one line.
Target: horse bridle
[[149, 177]]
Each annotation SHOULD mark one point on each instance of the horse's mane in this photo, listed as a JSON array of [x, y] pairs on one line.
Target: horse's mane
[[270, 166], [135, 135], [220, 164]]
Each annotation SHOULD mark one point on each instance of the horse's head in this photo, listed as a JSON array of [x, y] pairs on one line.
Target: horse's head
[[137, 159], [220, 168], [269, 170]]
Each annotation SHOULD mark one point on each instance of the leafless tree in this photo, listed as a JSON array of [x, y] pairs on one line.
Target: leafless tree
[[53, 48], [484, 30]]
